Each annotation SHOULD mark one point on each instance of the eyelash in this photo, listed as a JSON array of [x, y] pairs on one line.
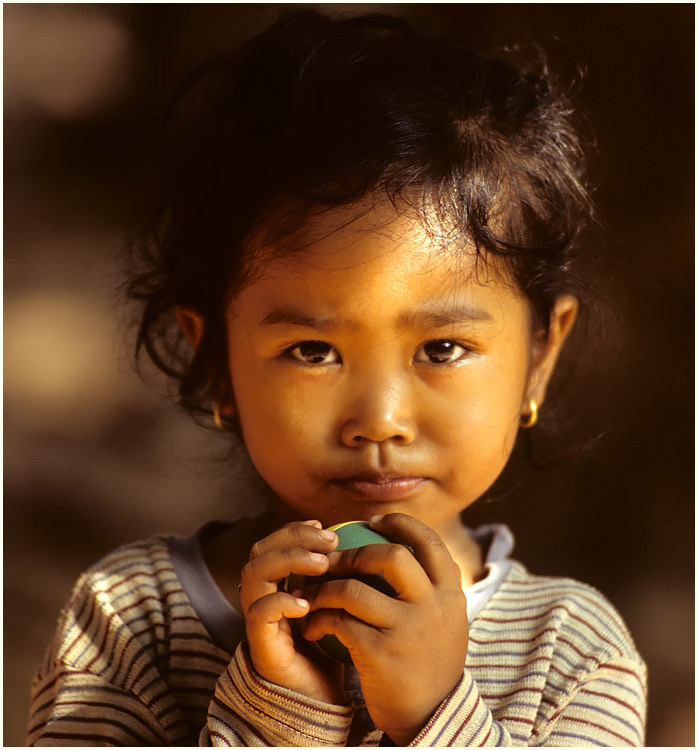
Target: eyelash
[[291, 352], [454, 344]]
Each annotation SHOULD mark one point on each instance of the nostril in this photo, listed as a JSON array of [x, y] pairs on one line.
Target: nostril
[[359, 435], [362, 438]]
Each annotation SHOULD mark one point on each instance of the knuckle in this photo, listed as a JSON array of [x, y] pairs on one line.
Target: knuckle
[[349, 588], [375, 641], [396, 516], [260, 609], [336, 619], [247, 573], [432, 539], [255, 610], [455, 598], [456, 573], [354, 556], [397, 554], [364, 558], [297, 531]]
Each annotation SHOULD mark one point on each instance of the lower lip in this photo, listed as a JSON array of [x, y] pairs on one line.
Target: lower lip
[[395, 489]]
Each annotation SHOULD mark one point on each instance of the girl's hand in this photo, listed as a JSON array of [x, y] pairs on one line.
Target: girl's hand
[[410, 650], [297, 548]]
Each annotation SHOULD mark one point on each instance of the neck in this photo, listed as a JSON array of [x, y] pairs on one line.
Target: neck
[[465, 552]]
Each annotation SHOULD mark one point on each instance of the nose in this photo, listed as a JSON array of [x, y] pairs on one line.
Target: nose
[[381, 411]]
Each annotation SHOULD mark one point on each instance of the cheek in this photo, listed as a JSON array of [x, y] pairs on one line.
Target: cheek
[[279, 419], [479, 413], [482, 433], [478, 449]]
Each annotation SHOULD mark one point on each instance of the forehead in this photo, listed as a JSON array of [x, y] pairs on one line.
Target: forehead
[[358, 258]]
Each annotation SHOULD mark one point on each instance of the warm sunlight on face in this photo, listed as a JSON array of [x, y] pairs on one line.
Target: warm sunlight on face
[[375, 373]]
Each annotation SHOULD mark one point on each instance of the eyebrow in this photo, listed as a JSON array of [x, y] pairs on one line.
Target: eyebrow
[[447, 315], [289, 316], [426, 318]]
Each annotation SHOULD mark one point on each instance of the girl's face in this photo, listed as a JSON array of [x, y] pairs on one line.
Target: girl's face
[[373, 373]]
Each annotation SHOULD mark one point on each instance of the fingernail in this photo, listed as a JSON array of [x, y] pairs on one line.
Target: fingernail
[[302, 603], [315, 523], [327, 534], [317, 557], [375, 519], [334, 556]]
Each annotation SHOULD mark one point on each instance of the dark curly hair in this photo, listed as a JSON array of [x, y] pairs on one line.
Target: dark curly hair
[[319, 112]]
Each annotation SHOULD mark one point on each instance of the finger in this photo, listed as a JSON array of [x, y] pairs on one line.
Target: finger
[[392, 561], [271, 609], [261, 575], [429, 549], [263, 618], [306, 534], [358, 599], [353, 633]]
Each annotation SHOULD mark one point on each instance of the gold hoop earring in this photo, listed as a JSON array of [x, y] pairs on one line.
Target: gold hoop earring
[[217, 416], [528, 420]]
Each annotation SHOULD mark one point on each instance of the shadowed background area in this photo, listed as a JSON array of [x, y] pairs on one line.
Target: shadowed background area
[[95, 457]]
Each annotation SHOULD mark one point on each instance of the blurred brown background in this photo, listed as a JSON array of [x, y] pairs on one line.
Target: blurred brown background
[[95, 457]]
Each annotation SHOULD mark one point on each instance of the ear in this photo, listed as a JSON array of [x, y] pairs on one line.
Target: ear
[[191, 323], [562, 318]]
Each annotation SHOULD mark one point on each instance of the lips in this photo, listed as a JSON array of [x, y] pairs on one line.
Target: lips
[[380, 487]]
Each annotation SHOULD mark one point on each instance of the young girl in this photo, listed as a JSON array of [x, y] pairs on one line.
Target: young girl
[[370, 238]]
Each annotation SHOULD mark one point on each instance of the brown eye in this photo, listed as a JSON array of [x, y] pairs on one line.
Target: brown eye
[[440, 352], [315, 353]]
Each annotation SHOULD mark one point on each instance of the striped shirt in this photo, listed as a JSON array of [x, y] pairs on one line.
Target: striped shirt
[[550, 663]]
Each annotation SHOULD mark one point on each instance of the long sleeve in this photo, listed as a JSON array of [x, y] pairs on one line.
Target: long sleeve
[[607, 709], [74, 708], [550, 664], [249, 711], [130, 663]]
